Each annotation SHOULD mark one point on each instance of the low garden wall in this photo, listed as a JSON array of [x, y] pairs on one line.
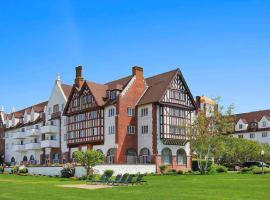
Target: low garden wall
[[80, 171]]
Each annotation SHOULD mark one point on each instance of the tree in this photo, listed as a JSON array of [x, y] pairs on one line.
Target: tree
[[203, 132], [89, 159]]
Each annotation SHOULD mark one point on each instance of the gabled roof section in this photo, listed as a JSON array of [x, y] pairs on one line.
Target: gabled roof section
[[98, 91], [66, 89], [158, 85], [252, 116]]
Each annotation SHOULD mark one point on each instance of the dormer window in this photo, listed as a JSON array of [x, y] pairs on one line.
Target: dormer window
[[56, 108], [264, 124], [240, 126], [87, 99], [112, 94]]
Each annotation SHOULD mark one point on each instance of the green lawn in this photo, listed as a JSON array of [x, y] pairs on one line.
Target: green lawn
[[219, 187]]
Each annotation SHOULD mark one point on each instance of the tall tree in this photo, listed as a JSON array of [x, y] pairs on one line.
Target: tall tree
[[204, 130]]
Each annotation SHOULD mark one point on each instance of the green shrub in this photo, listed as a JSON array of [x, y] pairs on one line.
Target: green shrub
[[108, 172], [23, 170], [68, 171], [213, 169], [15, 170], [258, 170], [162, 168], [2, 169], [180, 172], [246, 170]]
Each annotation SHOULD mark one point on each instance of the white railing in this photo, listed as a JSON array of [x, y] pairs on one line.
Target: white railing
[[32, 146], [49, 129], [18, 147], [50, 144], [18, 135], [32, 132]]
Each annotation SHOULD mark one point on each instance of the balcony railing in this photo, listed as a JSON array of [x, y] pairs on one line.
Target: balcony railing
[[32, 146], [18, 135], [49, 129], [50, 144], [19, 147], [32, 132]]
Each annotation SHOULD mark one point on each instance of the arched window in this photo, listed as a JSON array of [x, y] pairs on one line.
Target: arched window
[[12, 161], [181, 157], [166, 156], [145, 156], [110, 156], [131, 156], [32, 158], [25, 159]]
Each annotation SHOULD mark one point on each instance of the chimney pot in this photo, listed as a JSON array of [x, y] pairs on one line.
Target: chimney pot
[[137, 71], [79, 78]]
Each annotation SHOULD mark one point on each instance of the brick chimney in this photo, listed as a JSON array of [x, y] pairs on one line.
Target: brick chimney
[[137, 71], [79, 79]]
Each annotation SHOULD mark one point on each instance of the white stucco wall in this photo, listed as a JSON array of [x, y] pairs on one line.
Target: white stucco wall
[[109, 139], [258, 136], [145, 140], [80, 171]]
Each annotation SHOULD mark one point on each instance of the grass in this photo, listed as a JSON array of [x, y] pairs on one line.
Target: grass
[[211, 187]]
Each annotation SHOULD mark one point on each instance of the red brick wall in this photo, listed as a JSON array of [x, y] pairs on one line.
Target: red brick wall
[[129, 99], [174, 165]]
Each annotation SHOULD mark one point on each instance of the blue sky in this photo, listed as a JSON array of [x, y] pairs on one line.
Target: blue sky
[[222, 47]]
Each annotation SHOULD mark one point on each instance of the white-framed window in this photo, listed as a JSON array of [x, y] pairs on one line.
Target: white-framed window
[[264, 134], [111, 130], [264, 124], [131, 129], [144, 112], [240, 126], [130, 111], [251, 135], [111, 112], [144, 129], [49, 111]]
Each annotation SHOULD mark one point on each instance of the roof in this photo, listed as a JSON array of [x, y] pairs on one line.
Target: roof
[[252, 116], [66, 89], [157, 85], [98, 91], [118, 84]]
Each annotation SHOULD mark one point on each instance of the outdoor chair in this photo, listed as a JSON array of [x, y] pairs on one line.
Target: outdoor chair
[[117, 179]]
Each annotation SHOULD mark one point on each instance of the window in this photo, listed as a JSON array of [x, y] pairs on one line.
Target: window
[[131, 156], [145, 156], [130, 112], [62, 107], [264, 124], [113, 95], [110, 156], [144, 129], [49, 111], [252, 135], [175, 94], [131, 129], [87, 99], [240, 136], [240, 126], [181, 157], [144, 112], [93, 114], [56, 108], [166, 156], [111, 112], [264, 134], [111, 130]]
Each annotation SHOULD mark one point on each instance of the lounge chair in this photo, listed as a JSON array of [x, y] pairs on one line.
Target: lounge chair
[[117, 179], [122, 180], [101, 179]]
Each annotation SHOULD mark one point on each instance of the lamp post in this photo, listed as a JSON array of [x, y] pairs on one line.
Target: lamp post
[[262, 154]]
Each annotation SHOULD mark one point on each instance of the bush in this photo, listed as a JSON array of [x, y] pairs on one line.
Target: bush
[[68, 171], [162, 168], [15, 170], [108, 173], [195, 164], [2, 169], [180, 172], [246, 170], [23, 170], [258, 170], [213, 169]]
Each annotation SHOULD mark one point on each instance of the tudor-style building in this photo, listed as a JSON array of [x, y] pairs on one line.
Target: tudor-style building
[[253, 126], [133, 119]]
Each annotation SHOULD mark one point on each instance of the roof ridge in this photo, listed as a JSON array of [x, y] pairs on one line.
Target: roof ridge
[[163, 73], [253, 112]]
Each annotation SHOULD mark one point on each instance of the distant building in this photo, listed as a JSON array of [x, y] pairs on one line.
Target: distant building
[[2, 134], [205, 104], [253, 126]]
